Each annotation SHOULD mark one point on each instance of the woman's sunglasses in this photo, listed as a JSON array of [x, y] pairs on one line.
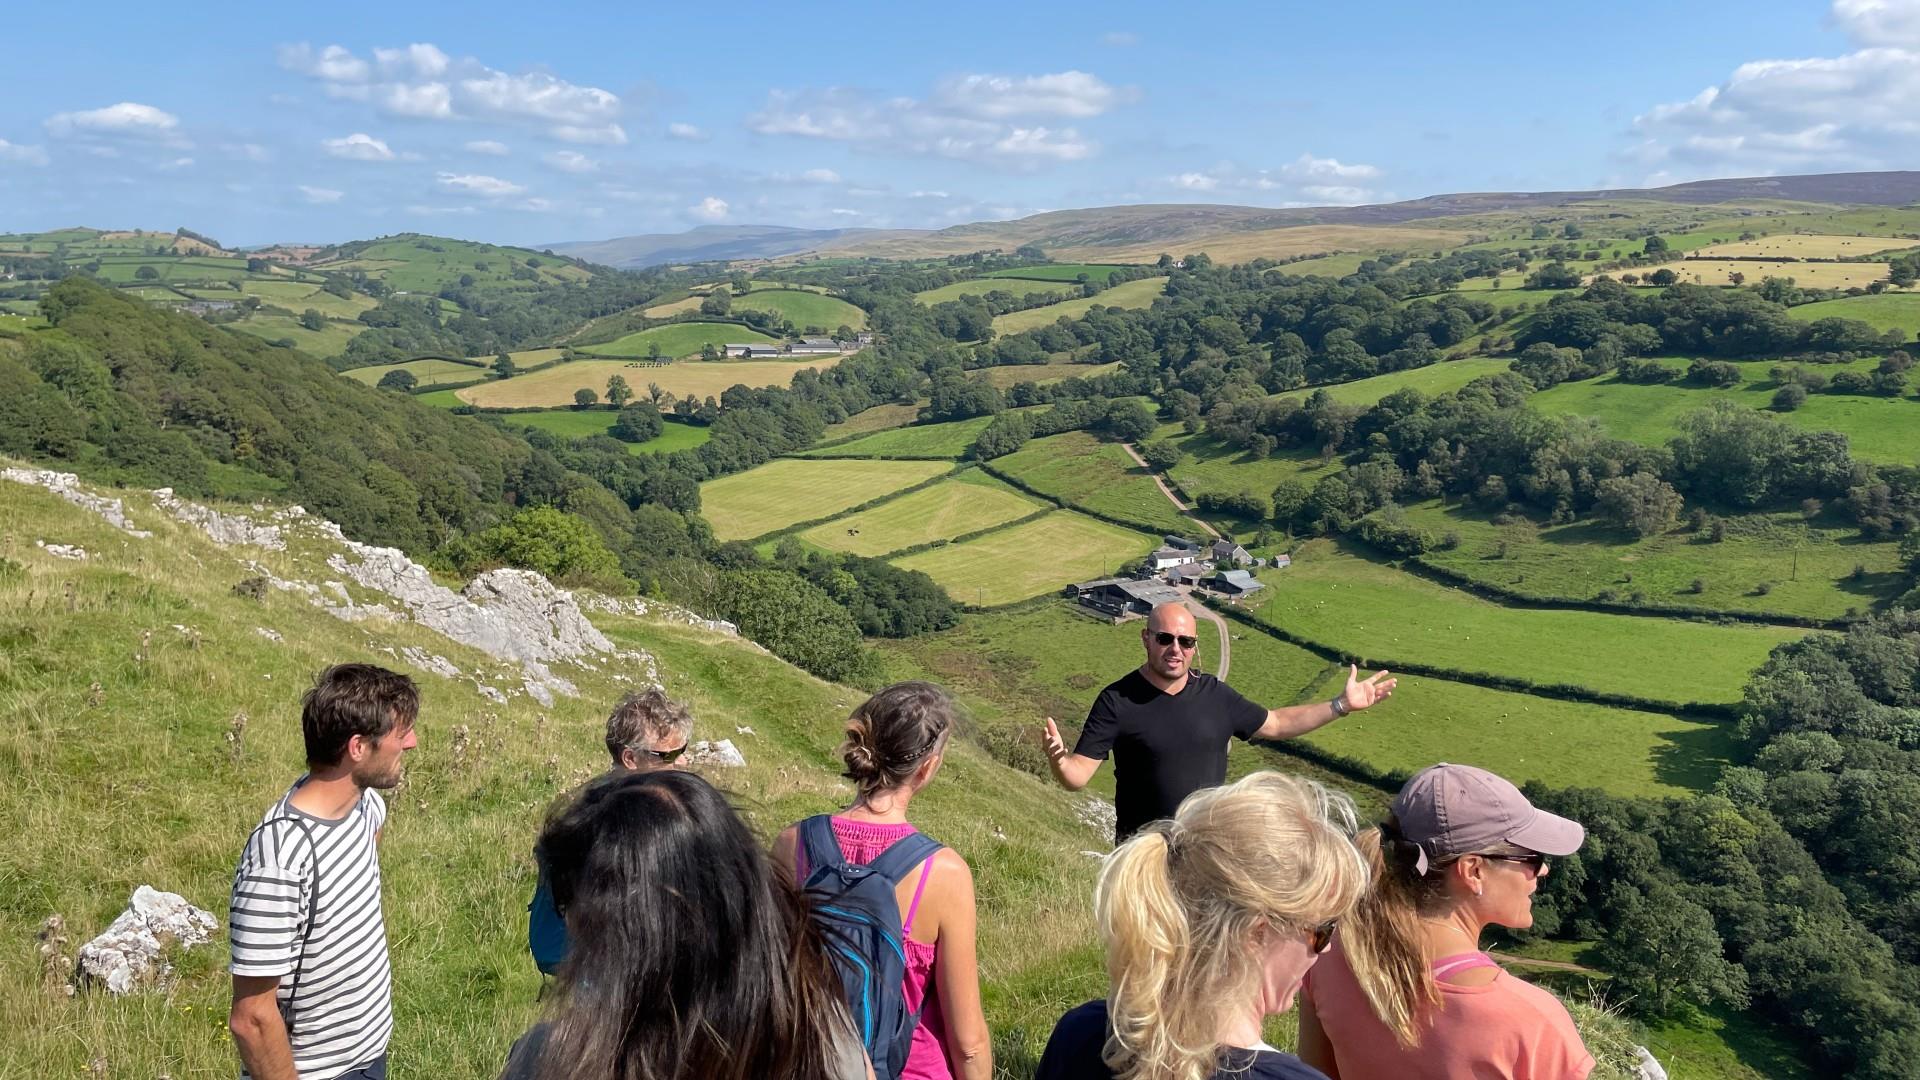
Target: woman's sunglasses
[[1320, 938], [1536, 861], [1187, 643]]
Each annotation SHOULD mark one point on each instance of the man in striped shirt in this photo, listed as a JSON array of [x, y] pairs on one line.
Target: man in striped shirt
[[312, 994]]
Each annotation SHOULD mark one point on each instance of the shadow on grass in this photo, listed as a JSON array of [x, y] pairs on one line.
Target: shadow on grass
[[1693, 758]]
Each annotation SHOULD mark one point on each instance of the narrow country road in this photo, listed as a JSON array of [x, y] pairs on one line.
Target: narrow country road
[[1202, 611], [1171, 497]]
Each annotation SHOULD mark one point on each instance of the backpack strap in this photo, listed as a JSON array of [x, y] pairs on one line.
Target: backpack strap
[[926, 871], [817, 847], [313, 907], [909, 851]]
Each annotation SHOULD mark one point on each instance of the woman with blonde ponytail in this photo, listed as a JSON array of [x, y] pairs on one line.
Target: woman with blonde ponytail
[[1406, 991], [1211, 919]]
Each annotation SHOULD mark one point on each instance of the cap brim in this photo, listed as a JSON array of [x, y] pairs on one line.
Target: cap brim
[[1549, 834]]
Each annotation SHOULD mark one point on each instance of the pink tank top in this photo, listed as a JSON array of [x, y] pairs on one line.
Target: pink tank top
[[862, 842]]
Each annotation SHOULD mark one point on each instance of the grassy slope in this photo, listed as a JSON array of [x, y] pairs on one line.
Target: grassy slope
[[983, 286], [554, 386], [1432, 380], [1133, 294], [1888, 311], [431, 372], [1029, 560], [787, 491], [1337, 599], [678, 339], [93, 820], [577, 424], [805, 308], [948, 440], [1067, 272], [1082, 470]]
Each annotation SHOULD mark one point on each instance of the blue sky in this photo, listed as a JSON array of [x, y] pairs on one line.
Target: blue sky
[[264, 123]]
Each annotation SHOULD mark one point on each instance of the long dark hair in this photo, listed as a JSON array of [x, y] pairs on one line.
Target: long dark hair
[[690, 958]]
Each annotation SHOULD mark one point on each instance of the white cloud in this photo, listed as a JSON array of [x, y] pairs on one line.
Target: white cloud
[[709, 209], [928, 195], [1068, 93], [1337, 194], [250, 152], [538, 205], [489, 146], [321, 196], [175, 164], [127, 119], [438, 211], [1308, 167], [1304, 181], [26, 155], [421, 81], [491, 187], [686, 131], [1120, 39], [1196, 181], [1880, 22], [820, 176], [843, 212], [358, 146], [1821, 114], [906, 126], [571, 161]]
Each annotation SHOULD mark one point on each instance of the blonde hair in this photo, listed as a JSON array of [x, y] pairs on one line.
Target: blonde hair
[[1383, 943], [1179, 906]]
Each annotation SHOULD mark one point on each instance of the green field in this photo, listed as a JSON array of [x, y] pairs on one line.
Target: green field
[[1068, 272], [430, 372], [1808, 569], [1082, 470], [554, 386], [581, 423], [1877, 428], [122, 270], [983, 286], [1007, 376], [1212, 466], [329, 340], [1888, 311], [868, 421], [426, 264], [678, 339], [804, 308], [1525, 737], [1132, 294], [948, 440], [1028, 560], [1340, 600], [1432, 380], [968, 503], [788, 491]]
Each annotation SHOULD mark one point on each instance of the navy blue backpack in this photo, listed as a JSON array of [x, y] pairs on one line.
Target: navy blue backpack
[[546, 932], [857, 913]]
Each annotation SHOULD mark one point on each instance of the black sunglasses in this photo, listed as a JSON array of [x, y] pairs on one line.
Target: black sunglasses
[[1187, 643], [664, 757], [1536, 860], [1320, 938]]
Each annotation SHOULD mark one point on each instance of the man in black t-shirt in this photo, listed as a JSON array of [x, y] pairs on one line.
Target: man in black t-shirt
[[1167, 726]]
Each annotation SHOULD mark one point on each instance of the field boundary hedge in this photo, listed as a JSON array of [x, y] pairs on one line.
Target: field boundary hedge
[[949, 541], [800, 526], [1559, 691]]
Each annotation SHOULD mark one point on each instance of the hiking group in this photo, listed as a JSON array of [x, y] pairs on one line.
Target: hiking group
[[683, 950]]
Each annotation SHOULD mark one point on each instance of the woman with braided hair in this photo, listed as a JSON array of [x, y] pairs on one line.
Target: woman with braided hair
[[895, 743]]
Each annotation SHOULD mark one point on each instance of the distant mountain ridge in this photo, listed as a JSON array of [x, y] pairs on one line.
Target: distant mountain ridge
[[1123, 231]]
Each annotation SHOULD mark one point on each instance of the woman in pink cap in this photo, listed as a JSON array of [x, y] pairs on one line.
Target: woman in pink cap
[[1405, 992]]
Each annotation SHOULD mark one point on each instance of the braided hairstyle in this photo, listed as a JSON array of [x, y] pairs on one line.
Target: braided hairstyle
[[893, 732]]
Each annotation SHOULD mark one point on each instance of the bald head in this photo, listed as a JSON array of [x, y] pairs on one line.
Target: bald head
[[1170, 637]]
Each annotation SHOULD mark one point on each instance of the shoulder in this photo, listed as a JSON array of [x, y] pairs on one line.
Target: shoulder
[[1126, 686], [952, 869], [1525, 1000], [375, 807], [1279, 1065], [1084, 1022], [281, 840], [524, 1059]]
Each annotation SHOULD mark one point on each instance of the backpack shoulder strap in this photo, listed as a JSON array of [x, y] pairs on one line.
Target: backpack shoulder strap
[[908, 852], [817, 847], [313, 900]]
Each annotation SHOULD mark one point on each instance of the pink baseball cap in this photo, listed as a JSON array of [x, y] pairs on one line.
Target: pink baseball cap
[[1457, 809]]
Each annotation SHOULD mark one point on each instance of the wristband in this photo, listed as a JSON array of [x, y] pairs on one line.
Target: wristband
[[1339, 706]]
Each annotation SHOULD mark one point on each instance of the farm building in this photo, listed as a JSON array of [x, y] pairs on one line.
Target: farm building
[[1168, 557], [761, 350], [1192, 573], [813, 346], [1282, 561], [1226, 551], [1121, 597], [1180, 542], [1235, 583]]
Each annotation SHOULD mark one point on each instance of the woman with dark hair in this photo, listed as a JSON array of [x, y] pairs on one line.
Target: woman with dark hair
[[894, 745], [692, 960], [1406, 991]]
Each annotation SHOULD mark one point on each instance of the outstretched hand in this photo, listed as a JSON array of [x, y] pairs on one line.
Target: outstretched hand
[[1363, 693], [1051, 742]]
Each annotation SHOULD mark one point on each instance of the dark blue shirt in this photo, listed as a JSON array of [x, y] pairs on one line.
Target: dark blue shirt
[[1073, 1053]]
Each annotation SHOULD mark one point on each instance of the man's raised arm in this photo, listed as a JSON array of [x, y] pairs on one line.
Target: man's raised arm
[[1072, 770], [1295, 720]]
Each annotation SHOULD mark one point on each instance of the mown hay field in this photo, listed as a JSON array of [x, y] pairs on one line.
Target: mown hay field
[[1028, 560], [677, 340], [1805, 246], [968, 503], [1132, 294], [581, 423], [1067, 272], [867, 421], [429, 372], [1080, 469], [948, 440], [788, 491], [1432, 380], [1887, 311], [554, 386], [1342, 601], [1006, 376], [1814, 275], [983, 286]]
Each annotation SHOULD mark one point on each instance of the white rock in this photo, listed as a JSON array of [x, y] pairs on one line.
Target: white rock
[[1097, 814], [1648, 1068], [718, 754], [62, 551], [270, 635], [743, 731], [127, 957], [426, 661], [224, 529], [67, 486]]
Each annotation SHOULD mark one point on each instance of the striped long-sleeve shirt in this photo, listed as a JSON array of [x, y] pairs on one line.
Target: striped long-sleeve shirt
[[306, 908]]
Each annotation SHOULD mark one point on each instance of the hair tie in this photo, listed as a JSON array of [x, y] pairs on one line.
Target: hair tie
[[1420, 858]]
